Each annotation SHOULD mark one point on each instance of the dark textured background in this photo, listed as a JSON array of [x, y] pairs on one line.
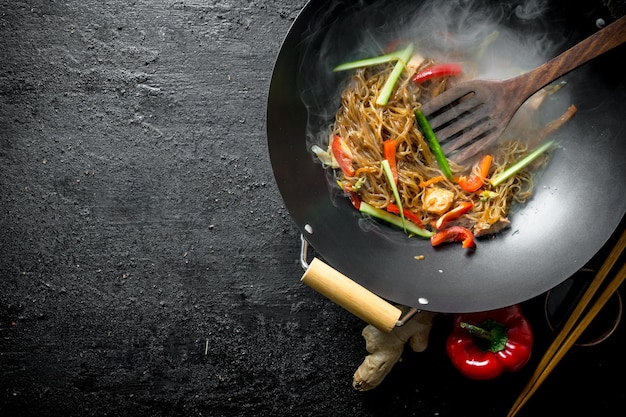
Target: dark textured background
[[148, 265]]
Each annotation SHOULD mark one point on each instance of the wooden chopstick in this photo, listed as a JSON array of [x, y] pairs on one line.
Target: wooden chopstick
[[567, 337]]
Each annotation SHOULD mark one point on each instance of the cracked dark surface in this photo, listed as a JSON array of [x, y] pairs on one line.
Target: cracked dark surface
[[148, 264]]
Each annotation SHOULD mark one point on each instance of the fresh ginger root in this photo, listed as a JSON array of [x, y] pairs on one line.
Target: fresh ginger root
[[385, 349]]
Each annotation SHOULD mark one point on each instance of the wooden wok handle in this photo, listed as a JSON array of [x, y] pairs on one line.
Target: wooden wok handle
[[353, 297]]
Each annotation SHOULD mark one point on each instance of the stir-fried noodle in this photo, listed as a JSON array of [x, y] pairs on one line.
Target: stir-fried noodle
[[364, 126]]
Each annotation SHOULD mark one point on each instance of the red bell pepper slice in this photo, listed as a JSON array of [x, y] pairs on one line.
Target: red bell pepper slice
[[438, 70], [353, 196], [477, 177], [354, 199], [453, 214], [389, 152], [454, 234], [393, 208], [484, 345], [342, 155]]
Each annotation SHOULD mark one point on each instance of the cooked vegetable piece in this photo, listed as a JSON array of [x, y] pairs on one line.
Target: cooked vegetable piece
[[342, 155], [521, 164], [351, 192], [477, 177], [394, 187], [368, 62], [453, 214], [394, 220], [436, 71], [389, 152], [393, 208], [387, 89], [431, 181], [454, 234], [433, 143], [487, 195], [325, 156]]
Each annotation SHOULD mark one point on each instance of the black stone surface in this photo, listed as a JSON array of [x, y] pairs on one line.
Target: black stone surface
[[148, 266]]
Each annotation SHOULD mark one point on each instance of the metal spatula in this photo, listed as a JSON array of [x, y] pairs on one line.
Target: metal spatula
[[472, 115]]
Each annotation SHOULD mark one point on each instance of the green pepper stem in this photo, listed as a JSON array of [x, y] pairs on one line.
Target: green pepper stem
[[489, 335], [477, 331]]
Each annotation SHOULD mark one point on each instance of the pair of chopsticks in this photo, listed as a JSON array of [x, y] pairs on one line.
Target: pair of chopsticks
[[571, 330]]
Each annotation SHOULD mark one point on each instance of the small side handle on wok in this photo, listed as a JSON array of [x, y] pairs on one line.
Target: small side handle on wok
[[353, 297]]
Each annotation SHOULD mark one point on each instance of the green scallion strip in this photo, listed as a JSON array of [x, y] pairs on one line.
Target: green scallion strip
[[391, 218], [519, 165], [394, 189], [433, 143], [387, 89], [368, 62]]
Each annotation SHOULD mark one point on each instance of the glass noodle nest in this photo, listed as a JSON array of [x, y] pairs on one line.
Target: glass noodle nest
[[364, 126]]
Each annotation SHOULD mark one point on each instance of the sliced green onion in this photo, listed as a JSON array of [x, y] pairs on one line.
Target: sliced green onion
[[357, 185], [390, 218], [394, 188], [489, 39], [387, 89], [433, 143], [368, 62], [521, 164]]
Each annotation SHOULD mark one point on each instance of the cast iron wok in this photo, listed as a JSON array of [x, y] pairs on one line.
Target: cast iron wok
[[577, 204]]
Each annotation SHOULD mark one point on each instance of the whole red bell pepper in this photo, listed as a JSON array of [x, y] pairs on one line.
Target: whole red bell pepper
[[484, 345]]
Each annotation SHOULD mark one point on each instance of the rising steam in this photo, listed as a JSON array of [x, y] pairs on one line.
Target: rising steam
[[502, 38]]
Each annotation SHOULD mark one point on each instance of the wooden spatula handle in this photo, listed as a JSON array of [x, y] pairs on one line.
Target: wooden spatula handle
[[595, 45]]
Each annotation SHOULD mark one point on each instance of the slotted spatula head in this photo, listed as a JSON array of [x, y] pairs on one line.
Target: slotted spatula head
[[471, 116]]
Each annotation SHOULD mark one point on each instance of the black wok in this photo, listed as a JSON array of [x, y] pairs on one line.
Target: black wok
[[577, 205]]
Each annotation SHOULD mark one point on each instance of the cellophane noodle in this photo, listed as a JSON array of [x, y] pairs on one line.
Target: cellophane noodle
[[364, 126]]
